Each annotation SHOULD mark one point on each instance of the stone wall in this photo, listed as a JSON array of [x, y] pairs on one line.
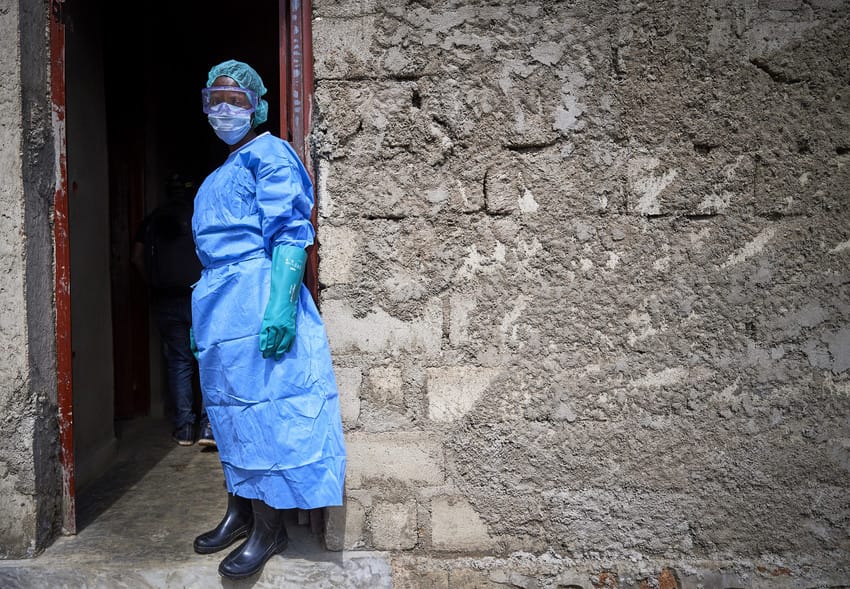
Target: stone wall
[[584, 267]]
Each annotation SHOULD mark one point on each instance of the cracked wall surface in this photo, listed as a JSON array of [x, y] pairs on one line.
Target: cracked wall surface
[[584, 267], [30, 478]]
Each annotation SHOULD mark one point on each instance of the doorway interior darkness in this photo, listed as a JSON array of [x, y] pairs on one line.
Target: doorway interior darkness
[[134, 118], [155, 64]]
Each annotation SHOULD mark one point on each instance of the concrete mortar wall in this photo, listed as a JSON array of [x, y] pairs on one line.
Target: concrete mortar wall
[[39, 192], [584, 269], [30, 484]]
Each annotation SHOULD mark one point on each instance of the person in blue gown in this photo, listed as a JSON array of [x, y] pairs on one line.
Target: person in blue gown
[[265, 365]]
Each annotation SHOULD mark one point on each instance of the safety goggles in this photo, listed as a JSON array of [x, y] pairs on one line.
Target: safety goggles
[[231, 95]]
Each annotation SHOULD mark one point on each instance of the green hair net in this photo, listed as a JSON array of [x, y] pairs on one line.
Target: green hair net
[[244, 75]]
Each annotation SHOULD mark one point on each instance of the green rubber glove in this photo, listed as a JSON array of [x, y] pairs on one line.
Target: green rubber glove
[[192, 345], [278, 328]]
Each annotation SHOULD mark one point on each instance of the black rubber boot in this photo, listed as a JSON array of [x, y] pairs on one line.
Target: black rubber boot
[[236, 523], [267, 537]]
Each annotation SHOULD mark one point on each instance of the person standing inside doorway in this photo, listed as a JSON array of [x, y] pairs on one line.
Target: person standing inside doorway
[[266, 373], [164, 251]]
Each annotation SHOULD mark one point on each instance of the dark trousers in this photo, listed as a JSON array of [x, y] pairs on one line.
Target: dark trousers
[[173, 316]]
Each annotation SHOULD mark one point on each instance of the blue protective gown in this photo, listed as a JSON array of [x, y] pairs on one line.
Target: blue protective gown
[[277, 424]]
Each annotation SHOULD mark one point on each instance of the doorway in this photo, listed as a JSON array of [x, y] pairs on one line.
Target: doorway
[[154, 68], [133, 119]]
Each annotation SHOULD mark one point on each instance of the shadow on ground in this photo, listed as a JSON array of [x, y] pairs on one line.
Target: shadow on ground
[[136, 525]]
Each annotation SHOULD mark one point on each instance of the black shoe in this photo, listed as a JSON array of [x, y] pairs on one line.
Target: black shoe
[[184, 435], [235, 524], [267, 538], [206, 437]]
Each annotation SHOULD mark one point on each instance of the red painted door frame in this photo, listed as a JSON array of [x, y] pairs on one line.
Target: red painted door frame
[[62, 286], [296, 104]]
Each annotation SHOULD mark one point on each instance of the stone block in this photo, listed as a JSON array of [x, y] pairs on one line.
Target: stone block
[[344, 526], [460, 306], [406, 578], [455, 525], [454, 390], [336, 249], [714, 580], [393, 526], [348, 382], [385, 386], [408, 457], [345, 46], [378, 332]]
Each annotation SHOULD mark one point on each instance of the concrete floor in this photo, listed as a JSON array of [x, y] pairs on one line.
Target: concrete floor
[[135, 528]]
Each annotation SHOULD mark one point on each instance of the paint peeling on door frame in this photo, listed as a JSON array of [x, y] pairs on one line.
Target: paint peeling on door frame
[[62, 293]]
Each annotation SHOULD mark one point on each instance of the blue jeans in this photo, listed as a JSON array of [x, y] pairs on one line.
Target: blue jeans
[[173, 316]]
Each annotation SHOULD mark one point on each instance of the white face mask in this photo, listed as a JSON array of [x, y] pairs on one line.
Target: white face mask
[[230, 123]]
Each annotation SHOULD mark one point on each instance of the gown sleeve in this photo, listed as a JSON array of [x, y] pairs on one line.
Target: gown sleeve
[[284, 197]]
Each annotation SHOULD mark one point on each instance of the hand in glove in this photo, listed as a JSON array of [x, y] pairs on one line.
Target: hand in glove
[[278, 328], [192, 345]]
